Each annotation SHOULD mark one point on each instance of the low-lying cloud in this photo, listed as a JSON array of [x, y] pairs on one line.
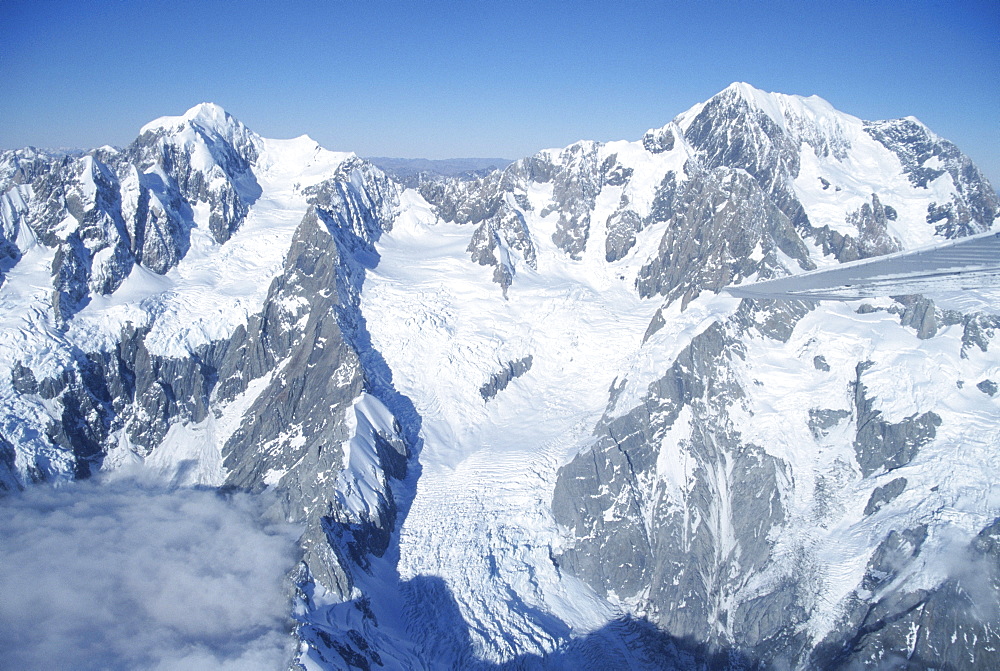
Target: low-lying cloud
[[128, 575]]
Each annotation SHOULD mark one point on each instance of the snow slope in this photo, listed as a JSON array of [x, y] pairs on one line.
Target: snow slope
[[487, 467]]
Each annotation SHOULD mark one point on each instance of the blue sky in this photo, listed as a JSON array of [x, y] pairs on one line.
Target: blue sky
[[446, 79]]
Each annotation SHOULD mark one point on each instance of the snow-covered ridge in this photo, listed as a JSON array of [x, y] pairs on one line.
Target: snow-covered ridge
[[181, 235], [215, 287], [786, 111], [206, 115]]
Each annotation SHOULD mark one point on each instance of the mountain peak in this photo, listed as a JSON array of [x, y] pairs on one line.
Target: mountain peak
[[809, 115], [207, 112], [768, 103], [744, 89], [779, 105], [208, 115]]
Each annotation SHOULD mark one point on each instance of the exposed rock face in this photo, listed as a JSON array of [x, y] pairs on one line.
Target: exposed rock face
[[293, 434], [731, 130], [885, 494], [925, 157], [8, 458], [74, 206], [291, 437], [978, 330], [623, 226], [919, 313], [677, 547], [204, 159], [659, 141], [821, 421], [683, 547], [105, 211], [500, 238], [683, 552], [953, 622], [880, 444], [574, 189], [988, 387], [499, 202], [499, 381], [723, 230], [873, 236]]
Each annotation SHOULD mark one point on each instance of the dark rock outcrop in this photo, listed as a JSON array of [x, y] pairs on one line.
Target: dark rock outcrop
[[880, 444]]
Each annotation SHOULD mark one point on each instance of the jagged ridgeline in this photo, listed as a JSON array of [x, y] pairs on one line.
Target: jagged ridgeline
[[516, 417]]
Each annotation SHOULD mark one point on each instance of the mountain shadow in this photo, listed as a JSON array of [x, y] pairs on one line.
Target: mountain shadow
[[431, 628]]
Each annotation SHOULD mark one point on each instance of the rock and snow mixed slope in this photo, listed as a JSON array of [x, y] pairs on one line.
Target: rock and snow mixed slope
[[520, 422]]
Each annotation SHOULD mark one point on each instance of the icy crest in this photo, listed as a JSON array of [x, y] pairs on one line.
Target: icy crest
[[206, 115]]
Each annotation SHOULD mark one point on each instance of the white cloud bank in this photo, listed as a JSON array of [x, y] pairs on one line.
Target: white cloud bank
[[128, 575]]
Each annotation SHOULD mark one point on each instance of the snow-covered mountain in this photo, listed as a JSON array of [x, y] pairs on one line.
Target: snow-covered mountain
[[518, 419]]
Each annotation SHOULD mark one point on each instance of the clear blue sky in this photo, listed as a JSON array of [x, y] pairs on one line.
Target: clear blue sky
[[447, 79]]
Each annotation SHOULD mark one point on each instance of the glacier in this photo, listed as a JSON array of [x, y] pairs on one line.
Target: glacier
[[588, 410]]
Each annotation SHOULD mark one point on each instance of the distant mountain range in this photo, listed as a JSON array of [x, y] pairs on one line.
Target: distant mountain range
[[405, 168]]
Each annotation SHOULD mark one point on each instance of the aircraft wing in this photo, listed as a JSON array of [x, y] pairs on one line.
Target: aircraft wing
[[972, 262]]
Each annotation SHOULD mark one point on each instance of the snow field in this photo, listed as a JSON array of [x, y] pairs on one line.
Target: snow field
[[949, 482], [481, 519]]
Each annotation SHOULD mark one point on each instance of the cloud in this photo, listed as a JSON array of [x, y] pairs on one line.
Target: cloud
[[132, 575]]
